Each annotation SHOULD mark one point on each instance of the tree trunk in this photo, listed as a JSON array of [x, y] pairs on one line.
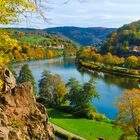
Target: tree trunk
[[138, 138]]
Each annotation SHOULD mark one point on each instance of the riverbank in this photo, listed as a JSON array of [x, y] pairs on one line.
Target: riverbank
[[88, 129], [90, 65]]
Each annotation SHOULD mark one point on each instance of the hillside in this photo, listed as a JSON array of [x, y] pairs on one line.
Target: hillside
[[33, 45], [83, 36], [90, 36], [125, 40]]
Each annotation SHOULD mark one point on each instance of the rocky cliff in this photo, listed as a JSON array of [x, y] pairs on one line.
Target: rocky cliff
[[21, 117]]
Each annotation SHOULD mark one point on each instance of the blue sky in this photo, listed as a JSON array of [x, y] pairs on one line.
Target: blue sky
[[90, 13]]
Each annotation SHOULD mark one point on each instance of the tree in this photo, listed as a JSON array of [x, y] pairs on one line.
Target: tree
[[52, 88], [25, 75], [131, 62], [129, 112], [85, 53], [11, 9], [98, 58], [9, 13], [7, 45], [108, 59], [80, 96]]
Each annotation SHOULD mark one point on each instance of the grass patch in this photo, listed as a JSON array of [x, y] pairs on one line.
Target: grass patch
[[89, 129]]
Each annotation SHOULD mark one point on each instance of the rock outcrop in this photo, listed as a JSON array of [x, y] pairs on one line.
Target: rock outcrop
[[7, 77], [21, 117]]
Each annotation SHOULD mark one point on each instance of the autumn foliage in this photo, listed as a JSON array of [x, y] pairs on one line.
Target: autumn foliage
[[90, 54], [17, 46], [11, 9], [129, 112]]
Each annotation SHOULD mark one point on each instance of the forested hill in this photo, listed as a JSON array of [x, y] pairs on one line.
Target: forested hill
[[83, 36], [31, 44], [135, 26], [123, 41], [92, 36]]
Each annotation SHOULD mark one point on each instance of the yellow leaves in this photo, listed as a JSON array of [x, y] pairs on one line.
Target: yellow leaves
[[1, 86], [6, 42], [129, 109], [131, 61], [61, 88], [1, 59], [95, 115], [11, 9]]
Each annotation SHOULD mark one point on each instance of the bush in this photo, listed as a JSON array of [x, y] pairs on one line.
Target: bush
[[98, 117], [135, 72]]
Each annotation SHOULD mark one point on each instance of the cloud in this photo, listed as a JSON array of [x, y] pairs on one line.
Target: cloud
[[106, 13]]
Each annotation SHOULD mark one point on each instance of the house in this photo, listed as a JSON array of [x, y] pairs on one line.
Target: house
[[134, 49], [56, 46]]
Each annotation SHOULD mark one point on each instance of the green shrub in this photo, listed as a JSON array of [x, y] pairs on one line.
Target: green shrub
[[15, 124]]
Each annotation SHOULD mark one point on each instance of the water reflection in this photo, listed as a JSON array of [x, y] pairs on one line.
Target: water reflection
[[123, 82], [107, 85]]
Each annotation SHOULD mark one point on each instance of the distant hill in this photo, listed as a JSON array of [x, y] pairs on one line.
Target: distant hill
[[91, 36], [83, 36], [124, 40]]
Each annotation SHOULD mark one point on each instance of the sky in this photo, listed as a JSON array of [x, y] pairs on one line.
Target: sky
[[87, 13]]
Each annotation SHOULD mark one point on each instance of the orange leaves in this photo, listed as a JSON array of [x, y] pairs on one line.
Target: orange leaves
[[29, 5], [18, 55], [50, 53]]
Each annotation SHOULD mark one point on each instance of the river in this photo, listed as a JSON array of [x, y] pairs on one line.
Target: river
[[108, 86]]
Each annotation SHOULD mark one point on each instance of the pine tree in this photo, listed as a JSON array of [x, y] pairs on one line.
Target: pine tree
[[26, 75]]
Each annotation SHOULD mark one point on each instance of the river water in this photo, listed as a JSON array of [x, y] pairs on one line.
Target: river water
[[108, 86]]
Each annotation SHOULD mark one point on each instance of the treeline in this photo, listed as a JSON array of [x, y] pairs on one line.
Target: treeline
[[89, 54], [20, 46]]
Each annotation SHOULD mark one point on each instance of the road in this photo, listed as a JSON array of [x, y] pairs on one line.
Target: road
[[59, 129]]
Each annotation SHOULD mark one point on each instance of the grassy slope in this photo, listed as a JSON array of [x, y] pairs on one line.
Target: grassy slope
[[89, 129]]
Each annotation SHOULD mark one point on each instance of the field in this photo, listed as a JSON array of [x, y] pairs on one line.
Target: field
[[89, 129]]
